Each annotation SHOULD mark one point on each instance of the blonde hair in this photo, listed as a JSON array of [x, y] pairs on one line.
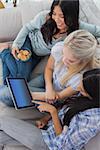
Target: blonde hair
[[83, 45], [96, 60]]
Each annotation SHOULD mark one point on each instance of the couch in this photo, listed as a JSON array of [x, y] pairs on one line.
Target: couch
[[11, 21]]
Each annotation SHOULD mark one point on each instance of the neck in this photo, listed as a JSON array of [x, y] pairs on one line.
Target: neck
[[63, 30]]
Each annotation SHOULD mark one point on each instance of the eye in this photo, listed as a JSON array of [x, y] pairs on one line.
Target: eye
[[61, 16], [54, 13]]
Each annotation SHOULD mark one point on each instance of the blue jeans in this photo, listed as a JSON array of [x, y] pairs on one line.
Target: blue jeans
[[17, 68], [5, 96], [35, 85]]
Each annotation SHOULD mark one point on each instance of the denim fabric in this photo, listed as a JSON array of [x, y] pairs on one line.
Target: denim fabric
[[5, 96], [26, 133], [37, 84], [17, 68]]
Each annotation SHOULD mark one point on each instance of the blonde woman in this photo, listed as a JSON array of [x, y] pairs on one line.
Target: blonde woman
[[66, 65]]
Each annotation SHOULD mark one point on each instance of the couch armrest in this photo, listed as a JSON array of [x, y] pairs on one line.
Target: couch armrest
[[94, 143], [10, 23]]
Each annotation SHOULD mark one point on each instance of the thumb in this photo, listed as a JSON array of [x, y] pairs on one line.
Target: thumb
[[17, 50]]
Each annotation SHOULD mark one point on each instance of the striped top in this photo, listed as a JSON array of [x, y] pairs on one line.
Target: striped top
[[83, 126]]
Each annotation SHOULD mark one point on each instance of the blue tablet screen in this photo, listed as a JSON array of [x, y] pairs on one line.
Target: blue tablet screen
[[20, 92]]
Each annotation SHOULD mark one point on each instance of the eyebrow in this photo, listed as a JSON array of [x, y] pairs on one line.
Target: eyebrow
[[59, 14]]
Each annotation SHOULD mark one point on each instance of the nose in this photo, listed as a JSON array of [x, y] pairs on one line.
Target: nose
[[65, 61], [57, 19]]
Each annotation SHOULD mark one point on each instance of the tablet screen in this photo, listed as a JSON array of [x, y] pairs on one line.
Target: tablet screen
[[20, 92]]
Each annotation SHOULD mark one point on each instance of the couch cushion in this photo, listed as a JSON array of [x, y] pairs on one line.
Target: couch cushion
[[8, 143], [94, 143], [29, 8], [10, 23], [90, 11]]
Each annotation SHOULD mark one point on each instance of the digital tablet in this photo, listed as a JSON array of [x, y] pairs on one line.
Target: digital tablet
[[20, 93]]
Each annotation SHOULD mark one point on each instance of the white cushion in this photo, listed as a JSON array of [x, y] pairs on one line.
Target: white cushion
[[29, 8], [94, 143], [10, 23], [90, 11]]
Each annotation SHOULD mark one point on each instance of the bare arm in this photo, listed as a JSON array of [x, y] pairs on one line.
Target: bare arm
[[54, 114], [50, 93], [67, 92], [49, 73], [38, 95], [56, 122]]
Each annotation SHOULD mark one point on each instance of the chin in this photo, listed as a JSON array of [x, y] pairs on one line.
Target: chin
[[60, 28]]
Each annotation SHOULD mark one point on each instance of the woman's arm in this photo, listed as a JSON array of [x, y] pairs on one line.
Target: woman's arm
[[54, 114], [56, 122], [67, 92], [37, 22], [50, 92], [38, 95], [94, 29], [49, 73]]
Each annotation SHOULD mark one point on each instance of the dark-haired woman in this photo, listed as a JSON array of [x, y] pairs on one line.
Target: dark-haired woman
[[39, 36], [76, 123]]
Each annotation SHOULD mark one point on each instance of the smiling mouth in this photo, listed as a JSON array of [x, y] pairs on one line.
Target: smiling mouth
[[59, 25]]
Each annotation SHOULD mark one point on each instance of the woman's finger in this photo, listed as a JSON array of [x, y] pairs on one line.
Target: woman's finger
[[38, 102]]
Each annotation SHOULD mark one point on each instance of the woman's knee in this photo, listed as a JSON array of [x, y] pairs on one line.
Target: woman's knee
[[5, 96], [3, 46]]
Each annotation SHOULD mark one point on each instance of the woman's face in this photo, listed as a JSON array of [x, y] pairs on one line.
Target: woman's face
[[69, 58], [58, 17]]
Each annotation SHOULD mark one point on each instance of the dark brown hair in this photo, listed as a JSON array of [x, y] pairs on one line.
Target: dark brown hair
[[70, 9]]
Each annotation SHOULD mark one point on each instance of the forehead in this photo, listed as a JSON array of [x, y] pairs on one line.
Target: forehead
[[68, 52], [67, 49], [57, 9]]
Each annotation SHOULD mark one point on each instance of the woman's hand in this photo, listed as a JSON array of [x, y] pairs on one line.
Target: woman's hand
[[45, 107], [54, 114], [41, 123], [51, 96], [14, 51]]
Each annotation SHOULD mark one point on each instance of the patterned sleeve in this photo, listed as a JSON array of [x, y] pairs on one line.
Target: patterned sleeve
[[82, 128]]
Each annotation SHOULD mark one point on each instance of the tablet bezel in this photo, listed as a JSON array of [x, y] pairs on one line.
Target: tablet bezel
[[13, 96]]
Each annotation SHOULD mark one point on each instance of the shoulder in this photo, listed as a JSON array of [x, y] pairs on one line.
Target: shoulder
[[42, 14], [56, 50], [39, 19]]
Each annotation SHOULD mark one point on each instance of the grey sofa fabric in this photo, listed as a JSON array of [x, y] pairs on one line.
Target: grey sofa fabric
[[7, 143]]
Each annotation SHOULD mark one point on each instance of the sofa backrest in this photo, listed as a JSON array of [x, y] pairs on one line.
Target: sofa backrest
[[12, 19], [30, 8], [10, 23]]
